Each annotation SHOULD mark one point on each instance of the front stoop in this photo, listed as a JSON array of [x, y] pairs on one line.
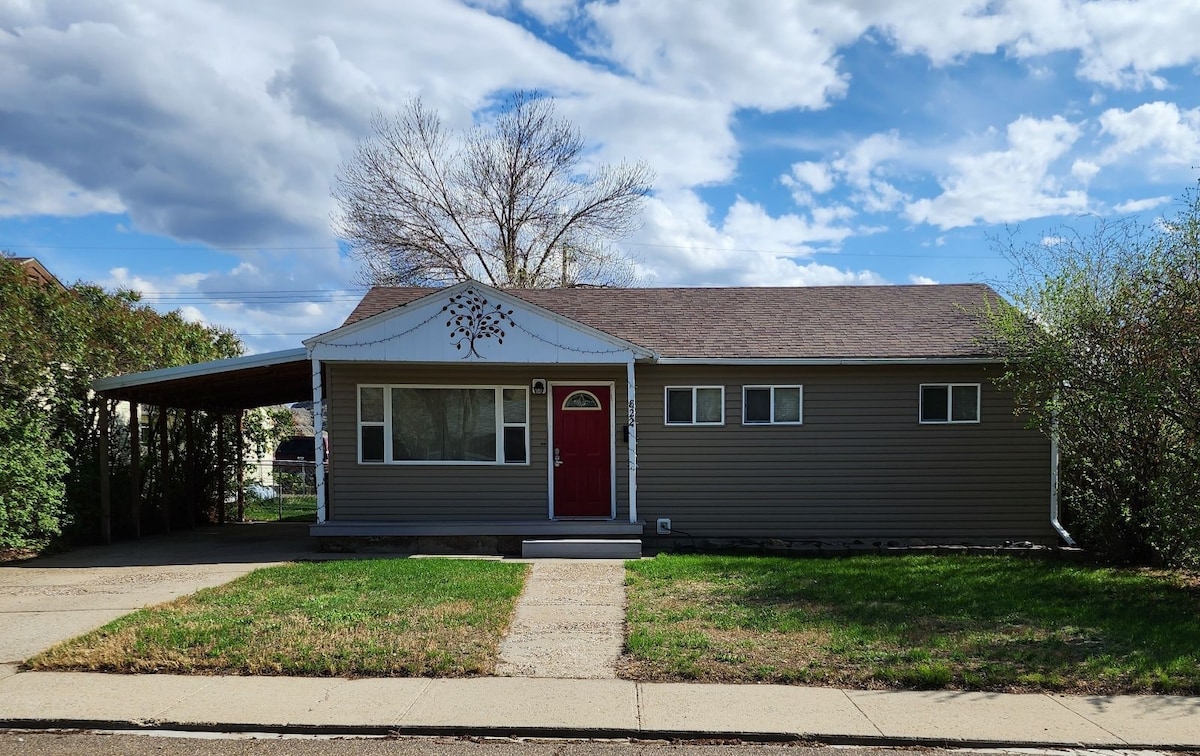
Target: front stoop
[[582, 548]]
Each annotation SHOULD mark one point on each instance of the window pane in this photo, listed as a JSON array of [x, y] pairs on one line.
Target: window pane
[[444, 424], [933, 404], [679, 405], [581, 400], [964, 403], [372, 443], [787, 405], [514, 444], [708, 405], [514, 405], [370, 404], [758, 405]]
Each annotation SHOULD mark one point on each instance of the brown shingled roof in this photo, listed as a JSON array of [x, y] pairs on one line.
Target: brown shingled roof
[[766, 322]]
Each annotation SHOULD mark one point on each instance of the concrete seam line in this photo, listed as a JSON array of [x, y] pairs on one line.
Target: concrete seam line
[[1085, 718], [420, 694], [154, 714], [858, 708]]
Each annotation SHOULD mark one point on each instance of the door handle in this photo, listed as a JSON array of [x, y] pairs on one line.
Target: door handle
[[557, 460]]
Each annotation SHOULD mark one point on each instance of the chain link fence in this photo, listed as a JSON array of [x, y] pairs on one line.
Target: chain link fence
[[281, 491]]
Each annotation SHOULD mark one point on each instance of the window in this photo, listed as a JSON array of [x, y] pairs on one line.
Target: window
[[950, 403], [443, 424], [581, 400], [370, 423], [772, 405], [695, 405]]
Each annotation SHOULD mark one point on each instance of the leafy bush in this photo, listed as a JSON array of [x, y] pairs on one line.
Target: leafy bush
[[32, 492], [1104, 344]]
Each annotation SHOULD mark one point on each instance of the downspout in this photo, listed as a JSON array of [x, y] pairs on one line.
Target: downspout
[[318, 437], [631, 385], [1062, 532]]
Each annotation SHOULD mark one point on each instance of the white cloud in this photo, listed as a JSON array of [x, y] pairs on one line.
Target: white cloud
[[549, 12], [28, 188], [680, 245], [921, 280], [1007, 185], [806, 179], [1141, 205], [769, 54], [1171, 134]]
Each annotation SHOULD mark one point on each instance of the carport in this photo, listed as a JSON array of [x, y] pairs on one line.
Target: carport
[[219, 388]]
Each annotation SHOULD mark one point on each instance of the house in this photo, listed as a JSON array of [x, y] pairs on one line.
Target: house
[[827, 414], [38, 273]]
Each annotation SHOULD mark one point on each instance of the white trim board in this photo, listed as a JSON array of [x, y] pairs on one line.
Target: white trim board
[[612, 440]]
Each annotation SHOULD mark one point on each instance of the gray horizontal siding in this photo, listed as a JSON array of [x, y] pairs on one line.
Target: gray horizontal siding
[[860, 466], [451, 492]]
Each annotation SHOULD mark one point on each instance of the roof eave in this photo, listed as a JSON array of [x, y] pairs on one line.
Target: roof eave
[[214, 367], [829, 360]]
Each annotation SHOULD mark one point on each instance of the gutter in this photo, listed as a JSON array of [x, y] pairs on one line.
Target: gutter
[[1054, 521], [816, 361]]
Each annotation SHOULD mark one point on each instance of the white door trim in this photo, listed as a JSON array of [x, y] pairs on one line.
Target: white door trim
[[612, 440]]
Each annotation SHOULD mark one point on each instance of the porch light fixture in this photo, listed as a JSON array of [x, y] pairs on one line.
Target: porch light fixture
[[538, 386]]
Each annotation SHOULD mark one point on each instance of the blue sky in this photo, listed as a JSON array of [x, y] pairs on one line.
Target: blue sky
[[187, 149]]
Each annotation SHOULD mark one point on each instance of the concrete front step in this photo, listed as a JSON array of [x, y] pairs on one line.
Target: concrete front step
[[582, 548]]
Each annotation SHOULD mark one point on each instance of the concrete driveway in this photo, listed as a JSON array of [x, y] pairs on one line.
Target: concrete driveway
[[44, 601]]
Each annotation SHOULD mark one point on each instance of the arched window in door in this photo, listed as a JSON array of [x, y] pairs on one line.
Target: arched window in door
[[581, 400]]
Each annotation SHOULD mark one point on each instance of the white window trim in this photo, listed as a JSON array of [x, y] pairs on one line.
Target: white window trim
[[772, 388], [667, 409], [387, 426], [949, 404]]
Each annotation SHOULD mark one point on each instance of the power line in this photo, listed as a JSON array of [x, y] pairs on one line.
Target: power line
[[740, 250]]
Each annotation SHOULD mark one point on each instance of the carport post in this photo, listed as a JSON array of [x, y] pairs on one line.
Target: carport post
[[163, 460], [220, 468], [241, 466], [318, 438], [105, 489], [189, 465], [135, 469], [631, 384]]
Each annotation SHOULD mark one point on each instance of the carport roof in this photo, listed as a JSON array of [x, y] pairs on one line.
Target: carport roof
[[256, 380]]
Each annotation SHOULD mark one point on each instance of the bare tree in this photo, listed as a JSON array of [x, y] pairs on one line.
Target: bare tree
[[506, 204]]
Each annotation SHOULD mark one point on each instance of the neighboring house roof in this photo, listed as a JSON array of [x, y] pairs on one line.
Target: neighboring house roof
[[38, 272], [814, 322]]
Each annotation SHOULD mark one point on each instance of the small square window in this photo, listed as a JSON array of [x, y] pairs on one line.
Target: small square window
[[695, 405], [949, 403]]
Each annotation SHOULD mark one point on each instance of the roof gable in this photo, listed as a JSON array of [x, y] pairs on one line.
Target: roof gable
[[766, 323], [471, 322]]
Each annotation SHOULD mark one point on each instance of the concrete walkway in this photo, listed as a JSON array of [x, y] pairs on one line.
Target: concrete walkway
[[569, 623], [593, 709]]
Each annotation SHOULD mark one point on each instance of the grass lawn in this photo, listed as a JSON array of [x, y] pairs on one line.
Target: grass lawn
[[370, 617], [286, 508], [978, 623]]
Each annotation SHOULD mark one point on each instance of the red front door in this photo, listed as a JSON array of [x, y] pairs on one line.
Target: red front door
[[582, 453]]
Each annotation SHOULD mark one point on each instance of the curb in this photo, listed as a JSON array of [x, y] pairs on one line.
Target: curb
[[571, 733]]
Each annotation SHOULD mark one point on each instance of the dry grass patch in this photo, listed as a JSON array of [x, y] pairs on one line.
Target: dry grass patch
[[918, 622], [384, 617]]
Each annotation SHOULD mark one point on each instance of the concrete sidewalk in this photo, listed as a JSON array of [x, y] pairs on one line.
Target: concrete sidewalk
[[592, 709]]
